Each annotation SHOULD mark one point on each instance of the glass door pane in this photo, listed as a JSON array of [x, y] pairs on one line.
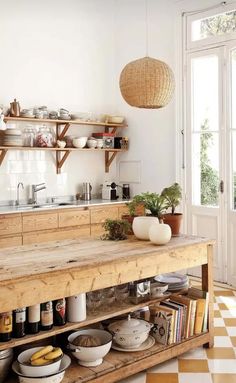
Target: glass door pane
[[233, 130], [205, 130]]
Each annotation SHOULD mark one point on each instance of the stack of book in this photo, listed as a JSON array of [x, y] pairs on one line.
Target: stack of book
[[180, 316]]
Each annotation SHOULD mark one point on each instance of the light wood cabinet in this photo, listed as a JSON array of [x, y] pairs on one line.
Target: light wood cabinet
[[100, 264], [122, 211], [51, 225], [10, 224], [74, 218], [100, 214], [40, 221]]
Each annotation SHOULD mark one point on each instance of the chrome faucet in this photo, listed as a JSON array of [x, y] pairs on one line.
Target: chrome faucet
[[18, 193], [35, 189]]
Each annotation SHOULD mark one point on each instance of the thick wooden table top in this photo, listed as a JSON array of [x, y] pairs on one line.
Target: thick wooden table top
[[37, 273]]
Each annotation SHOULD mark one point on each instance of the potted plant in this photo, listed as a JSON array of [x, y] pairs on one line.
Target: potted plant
[[154, 203], [135, 208], [172, 196], [117, 229]]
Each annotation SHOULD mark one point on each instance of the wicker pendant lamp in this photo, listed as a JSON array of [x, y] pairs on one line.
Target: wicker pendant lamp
[[147, 82]]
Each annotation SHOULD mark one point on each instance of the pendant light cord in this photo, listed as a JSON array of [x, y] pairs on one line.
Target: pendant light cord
[[146, 17]]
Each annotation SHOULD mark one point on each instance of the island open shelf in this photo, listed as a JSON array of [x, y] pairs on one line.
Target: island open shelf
[[38, 273]]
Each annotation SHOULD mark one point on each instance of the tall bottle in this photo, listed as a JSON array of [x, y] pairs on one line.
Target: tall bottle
[[5, 326], [59, 312], [46, 315], [33, 319], [19, 322]]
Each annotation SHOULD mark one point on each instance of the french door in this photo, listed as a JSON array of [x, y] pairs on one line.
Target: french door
[[211, 153]]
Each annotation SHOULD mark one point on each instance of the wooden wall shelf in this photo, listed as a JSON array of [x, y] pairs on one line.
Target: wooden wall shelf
[[62, 127]]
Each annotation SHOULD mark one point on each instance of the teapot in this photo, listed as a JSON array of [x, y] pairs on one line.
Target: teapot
[[14, 108]]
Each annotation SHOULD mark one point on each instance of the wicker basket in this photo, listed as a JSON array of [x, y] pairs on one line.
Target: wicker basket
[[147, 83]]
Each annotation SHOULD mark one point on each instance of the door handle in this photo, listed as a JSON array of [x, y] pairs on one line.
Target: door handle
[[221, 186]]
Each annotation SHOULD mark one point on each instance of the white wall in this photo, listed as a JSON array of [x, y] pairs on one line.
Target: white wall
[[70, 54]]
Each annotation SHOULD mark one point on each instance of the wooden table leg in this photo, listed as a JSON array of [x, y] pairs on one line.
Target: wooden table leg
[[207, 285]]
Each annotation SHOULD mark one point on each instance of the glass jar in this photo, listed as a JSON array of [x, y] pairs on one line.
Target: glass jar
[[29, 136], [45, 137]]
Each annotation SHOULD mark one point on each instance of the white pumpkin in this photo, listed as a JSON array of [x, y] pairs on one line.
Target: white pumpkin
[[141, 226], [160, 234]]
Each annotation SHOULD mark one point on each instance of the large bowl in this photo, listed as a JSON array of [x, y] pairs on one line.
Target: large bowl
[[36, 371], [53, 378], [141, 226], [6, 357], [130, 333], [91, 356], [79, 142]]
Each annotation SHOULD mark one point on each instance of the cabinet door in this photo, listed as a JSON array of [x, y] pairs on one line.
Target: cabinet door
[[10, 241], [56, 235], [99, 215], [10, 224], [123, 210], [41, 221], [74, 218]]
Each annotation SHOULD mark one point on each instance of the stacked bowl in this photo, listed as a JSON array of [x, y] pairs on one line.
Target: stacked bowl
[[53, 372]]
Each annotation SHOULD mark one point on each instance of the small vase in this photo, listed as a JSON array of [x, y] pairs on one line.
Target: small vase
[[141, 226], [160, 234]]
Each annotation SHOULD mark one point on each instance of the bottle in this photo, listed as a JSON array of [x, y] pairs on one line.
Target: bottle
[[46, 316], [5, 326], [19, 322], [33, 319], [59, 312]]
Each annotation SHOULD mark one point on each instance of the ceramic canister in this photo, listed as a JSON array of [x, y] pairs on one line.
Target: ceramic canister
[[76, 308]]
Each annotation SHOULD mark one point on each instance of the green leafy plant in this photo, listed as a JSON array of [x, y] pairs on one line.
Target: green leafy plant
[[117, 229], [137, 200], [172, 196], [153, 202]]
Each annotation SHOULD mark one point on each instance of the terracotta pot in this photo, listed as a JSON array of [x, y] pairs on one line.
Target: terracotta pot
[[130, 219], [174, 221]]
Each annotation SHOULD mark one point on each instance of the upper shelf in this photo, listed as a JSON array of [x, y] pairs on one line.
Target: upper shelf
[[62, 122]]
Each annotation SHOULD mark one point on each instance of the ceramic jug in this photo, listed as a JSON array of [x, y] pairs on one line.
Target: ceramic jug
[[15, 108]]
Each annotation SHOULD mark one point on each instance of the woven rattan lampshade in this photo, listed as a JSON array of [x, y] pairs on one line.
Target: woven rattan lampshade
[[147, 83]]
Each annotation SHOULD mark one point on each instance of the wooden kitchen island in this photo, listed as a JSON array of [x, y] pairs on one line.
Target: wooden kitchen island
[[37, 273]]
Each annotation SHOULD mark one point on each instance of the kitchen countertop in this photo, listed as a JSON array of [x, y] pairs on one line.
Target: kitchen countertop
[[73, 204]]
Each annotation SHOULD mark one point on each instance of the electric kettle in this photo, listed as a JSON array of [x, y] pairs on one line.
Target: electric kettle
[[14, 108]]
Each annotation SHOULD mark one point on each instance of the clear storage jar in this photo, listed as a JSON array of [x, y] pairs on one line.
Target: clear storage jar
[[29, 135], [45, 137]]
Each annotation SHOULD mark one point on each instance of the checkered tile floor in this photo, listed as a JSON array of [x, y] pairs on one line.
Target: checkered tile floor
[[216, 365]]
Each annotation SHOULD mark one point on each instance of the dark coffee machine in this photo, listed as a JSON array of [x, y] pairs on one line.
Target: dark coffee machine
[[125, 191]]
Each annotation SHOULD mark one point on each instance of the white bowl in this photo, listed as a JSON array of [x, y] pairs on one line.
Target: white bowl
[[99, 143], [115, 119], [92, 143], [141, 226], [79, 142], [91, 356], [158, 289], [36, 371], [53, 378]]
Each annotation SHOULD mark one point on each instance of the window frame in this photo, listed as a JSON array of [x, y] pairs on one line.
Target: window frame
[[208, 40]]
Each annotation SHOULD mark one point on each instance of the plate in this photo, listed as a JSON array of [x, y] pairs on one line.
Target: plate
[[144, 346], [172, 278], [65, 362]]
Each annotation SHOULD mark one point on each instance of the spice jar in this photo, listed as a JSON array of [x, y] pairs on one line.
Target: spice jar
[[124, 143], [45, 137]]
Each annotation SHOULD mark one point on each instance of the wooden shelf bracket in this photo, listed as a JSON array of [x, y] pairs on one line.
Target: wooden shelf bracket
[[108, 160], [60, 159], [3, 152]]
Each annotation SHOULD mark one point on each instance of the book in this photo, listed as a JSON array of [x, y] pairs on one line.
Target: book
[[188, 303], [160, 330], [157, 311], [184, 317], [178, 309], [193, 291]]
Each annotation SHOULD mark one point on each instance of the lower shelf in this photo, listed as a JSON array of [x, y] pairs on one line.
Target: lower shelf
[[118, 365]]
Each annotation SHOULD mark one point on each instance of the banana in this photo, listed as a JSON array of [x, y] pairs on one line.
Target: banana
[[54, 354], [41, 353], [40, 362]]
